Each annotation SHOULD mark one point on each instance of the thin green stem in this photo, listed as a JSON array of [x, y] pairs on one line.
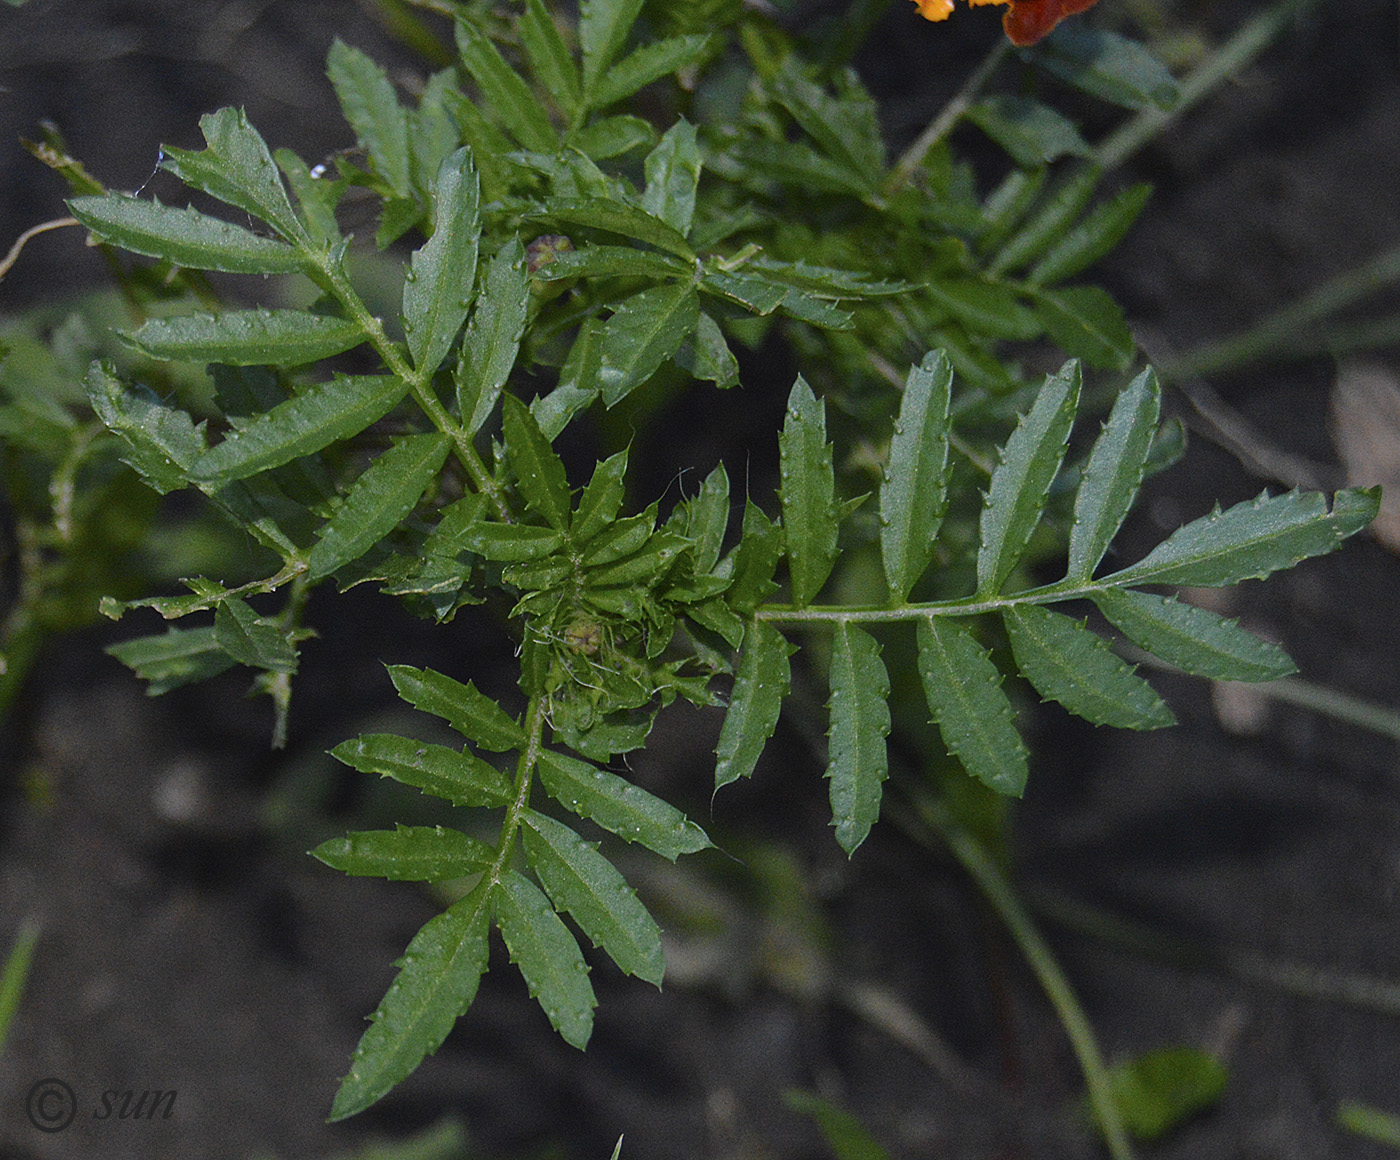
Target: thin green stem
[[524, 778], [967, 606], [1292, 331], [1225, 62], [1002, 896], [947, 118], [332, 278]]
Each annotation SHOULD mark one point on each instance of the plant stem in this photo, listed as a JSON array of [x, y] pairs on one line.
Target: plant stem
[[1002, 896], [948, 116], [333, 278], [1222, 64], [1291, 332], [524, 777]]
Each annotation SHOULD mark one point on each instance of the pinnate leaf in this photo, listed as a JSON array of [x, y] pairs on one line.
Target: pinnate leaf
[[314, 418], [1087, 323], [1254, 538], [437, 981], [759, 688], [505, 93], [437, 291], [493, 336], [550, 57], [183, 237], [1029, 463], [548, 957], [1193, 639], [1069, 664], [468, 710], [251, 639], [673, 174], [616, 217], [1113, 474], [237, 168], [461, 778], [860, 721], [913, 495], [378, 501], [539, 473], [808, 493], [406, 854], [644, 331], [373, 110], [162, 442], [582, 882], [619, 807], [603, 28], [963, 690], [646, 64], [601, 499], [244, 338]]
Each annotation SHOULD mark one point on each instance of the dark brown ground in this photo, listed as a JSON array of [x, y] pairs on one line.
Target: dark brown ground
[[188, 944]]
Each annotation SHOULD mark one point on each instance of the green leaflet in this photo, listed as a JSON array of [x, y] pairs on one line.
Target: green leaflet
[[469, 711], [548, 957], [582, 882], [644, 331], [389, 488], [619, 807], [1029, 463], [1098, 233], [673, 174], [1192, 638], [406, 854], [316, 417], [808, 493], [184, 237], [461, 778], [539, 473], [601, 499], [1069, 664], [707, 518], [511, 543], [437, 290], [1253, 539], [972, 712], [612, 262], [616, 217], [1050, 222], [504, 92], [860, 721], [373, 110], [1033, 134], [493, 336], [845, 127], [756, 294], [706, 355], [1085, 321], [755, 559], [244, 338], [760, 685], [612, 136], [985, 308], [603, 28], [237, 168], [913, 494], [550, 58], [437, 981], [252, 640], [1109, 66], [175, 657], [162, 442], [1113, 474], [648, 63]]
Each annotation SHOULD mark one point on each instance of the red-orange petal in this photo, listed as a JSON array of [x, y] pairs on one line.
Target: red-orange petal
[[1031, 20]]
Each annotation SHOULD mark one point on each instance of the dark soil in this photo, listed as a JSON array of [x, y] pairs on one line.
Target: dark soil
[[188, 944]]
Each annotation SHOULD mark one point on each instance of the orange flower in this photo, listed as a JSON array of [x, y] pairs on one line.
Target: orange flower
[[1027, 22]]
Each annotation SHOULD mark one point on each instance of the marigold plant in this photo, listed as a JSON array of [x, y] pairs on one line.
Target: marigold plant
[[1027, 21]]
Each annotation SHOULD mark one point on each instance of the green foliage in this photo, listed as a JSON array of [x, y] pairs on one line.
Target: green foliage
[[562, 258], [1157, 1091]]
